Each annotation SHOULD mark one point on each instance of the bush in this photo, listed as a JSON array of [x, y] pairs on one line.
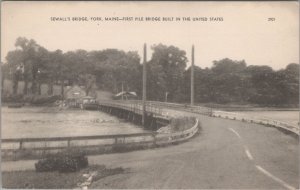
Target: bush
[[47, 165], [12, 98], [62, 162], [182, 123], [33, 99], [45, 99]]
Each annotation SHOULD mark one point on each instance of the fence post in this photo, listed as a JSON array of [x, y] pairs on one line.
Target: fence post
[[69, 143], [21, 144], [154, 139]]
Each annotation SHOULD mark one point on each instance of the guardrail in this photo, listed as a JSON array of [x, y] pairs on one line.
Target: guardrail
[[157, 107], [195, 109], [227, 115], [259, 120], [37, 147], [134, 106]]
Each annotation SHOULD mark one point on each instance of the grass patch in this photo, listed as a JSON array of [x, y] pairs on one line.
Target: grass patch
[[54, 180]]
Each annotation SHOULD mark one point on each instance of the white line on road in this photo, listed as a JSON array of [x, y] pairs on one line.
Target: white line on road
[[274, 178], [237, 134], [249, 155], [284, 184], [247, 151]]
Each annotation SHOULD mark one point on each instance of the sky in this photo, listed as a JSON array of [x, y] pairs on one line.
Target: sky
[[261, 33]]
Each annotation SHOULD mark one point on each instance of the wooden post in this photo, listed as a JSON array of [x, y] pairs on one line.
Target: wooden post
[[69, 142], [144, 84], [192, 78], [21, 144], [122, 91]]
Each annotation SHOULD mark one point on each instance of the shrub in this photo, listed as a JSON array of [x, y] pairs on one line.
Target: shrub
[[62, 162], [33, 99], [47, 165], [45, 99], [182, 123], [12, 98]]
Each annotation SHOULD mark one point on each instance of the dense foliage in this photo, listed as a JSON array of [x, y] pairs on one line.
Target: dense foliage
[[62, 162], [168, 78]]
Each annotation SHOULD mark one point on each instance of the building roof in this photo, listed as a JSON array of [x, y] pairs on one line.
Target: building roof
[[126, 93], [75, 92], [88, 97]]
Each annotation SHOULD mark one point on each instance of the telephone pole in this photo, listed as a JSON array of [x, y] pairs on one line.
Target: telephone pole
[[192, 77], [144, 84], [122, 91]]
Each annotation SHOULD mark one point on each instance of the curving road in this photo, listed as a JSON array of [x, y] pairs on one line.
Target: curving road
[[226, 154]]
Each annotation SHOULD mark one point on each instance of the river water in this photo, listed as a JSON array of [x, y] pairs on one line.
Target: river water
[[27, 122]]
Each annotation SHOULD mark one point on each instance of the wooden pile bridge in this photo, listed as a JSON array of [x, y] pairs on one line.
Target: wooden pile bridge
[[132, 111]]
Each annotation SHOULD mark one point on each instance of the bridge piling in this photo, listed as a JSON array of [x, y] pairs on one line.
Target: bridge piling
[[135, 115]]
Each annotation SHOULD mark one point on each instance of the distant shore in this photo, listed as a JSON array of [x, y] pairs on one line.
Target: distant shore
[[224, 107], [250, 107], [261, 109]]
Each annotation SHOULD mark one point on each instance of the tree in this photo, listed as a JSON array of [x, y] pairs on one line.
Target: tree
[[227, 80], [287, 83], [40, 60], [31, 58], [14, 62], [113, 67], [261, 90], [51, 71], [4, 74], [88, 80], [166, 69], [203, 87]]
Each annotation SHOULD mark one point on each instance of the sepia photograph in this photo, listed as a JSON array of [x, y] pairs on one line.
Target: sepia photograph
[[150, 95]]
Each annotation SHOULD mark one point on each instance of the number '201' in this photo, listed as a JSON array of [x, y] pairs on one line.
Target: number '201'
[[271, 19]]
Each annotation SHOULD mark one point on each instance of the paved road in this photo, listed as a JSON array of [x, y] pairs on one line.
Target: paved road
[[227, 154]]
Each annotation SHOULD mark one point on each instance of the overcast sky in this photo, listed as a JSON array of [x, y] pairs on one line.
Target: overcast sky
[[245, 32]]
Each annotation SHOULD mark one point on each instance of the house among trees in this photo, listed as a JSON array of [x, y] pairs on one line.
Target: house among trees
[[89, 103], [125, 95], [73, 95]]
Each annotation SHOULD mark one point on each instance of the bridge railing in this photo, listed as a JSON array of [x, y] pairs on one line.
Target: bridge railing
[[37, 147], [228, 115], [65, 142], [134, 106], [195, 109], [157, 107]]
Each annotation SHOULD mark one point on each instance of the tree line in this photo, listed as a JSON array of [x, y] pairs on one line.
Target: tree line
[[168, 77]]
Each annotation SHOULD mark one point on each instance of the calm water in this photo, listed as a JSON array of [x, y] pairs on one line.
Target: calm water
[[52, 122]]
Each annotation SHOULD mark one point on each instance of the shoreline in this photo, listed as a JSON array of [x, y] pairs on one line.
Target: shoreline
[[260, 109], [223, 107]]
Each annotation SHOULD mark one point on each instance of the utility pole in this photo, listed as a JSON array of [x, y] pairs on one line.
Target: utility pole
[[166, 98], [192, 77], [122, 91], [144, 84]]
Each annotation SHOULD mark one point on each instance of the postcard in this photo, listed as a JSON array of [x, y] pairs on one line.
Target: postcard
[[150, 95]]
